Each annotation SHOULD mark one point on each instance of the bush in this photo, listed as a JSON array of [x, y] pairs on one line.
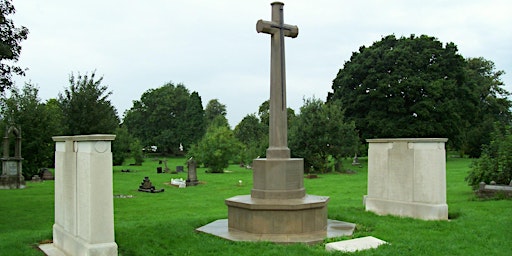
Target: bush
[[495, 163]]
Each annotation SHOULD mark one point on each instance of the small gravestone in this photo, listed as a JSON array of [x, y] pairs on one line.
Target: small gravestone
[[192, 173], [179, 168], [146, 186], [45, 174], [36, 178], [355, 161], [159, 169]]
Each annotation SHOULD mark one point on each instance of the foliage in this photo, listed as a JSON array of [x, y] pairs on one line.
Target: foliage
[[253, 135], [491, 104], [37, 124], [10, 45], [495, 163], [320, 132], [86, 107], [137, 154], [406, 87], [165, 117], [216, 148], [121, 146], [213, 109]]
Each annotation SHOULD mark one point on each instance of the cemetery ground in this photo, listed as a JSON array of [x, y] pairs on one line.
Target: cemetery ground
[[165, 223]]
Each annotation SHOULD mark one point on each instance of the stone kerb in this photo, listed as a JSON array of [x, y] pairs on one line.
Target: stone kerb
[[407, 177], [84, 215]]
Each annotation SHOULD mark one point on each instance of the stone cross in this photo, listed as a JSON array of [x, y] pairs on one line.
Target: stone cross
[[278, 127]]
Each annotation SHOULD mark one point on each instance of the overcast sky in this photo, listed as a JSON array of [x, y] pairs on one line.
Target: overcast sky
[[212, 47]]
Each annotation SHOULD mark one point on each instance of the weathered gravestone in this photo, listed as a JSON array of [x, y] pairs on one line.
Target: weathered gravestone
[[278, 208], [12, 177], [45, 174], [192, 173], [84, 205]]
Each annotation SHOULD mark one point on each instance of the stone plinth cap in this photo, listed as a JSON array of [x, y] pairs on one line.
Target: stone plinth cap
[[90, 137], [407, 140]]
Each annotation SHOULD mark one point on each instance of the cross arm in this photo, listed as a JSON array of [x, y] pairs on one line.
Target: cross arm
[[270, 27]]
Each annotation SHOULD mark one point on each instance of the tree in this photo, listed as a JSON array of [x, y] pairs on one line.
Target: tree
[[36, 122], [320, 133], [166, 117], [253, 135], [121, 145], [406, 87], [86, 107], [216, 148], [10, 45], [213, 109], [491, 105]]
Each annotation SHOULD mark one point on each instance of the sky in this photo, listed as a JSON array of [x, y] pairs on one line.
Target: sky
[[212, 47]]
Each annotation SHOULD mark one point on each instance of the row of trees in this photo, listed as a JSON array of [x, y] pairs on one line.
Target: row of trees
[[398, 87]]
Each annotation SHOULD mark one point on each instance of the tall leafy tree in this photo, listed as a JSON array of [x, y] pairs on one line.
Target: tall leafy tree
[[213, 109], [86, 108], [253, 135], [166, 117], [10, 45], [25, 110], [404, 87], [491, 104], [320, 133]]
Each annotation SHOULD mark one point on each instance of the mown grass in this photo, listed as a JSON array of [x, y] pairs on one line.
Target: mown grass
[[165, 223]]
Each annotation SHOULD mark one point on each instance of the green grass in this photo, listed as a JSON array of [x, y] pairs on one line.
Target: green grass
[[165, 223]]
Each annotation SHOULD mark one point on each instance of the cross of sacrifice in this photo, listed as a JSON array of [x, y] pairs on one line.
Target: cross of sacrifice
[[278, 127]]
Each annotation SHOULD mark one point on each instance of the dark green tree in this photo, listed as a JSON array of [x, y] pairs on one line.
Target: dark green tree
[[405, 87], [490, 105], [10, 45], [213, 109], [320, 133], [254, 136], [121, 145], [25, 110], [166, 117], [216, 148], [86, 107]]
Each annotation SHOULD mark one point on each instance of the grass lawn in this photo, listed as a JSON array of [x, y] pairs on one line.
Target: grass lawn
[[165, 223]]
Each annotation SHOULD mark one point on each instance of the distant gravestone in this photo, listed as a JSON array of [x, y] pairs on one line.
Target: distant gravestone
[[45, 174], [179, 168], [192, 172], [11, 177], [159, 169], [146, 186]]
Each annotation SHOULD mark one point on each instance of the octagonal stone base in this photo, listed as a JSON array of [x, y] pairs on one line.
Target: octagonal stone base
[[282, 221]]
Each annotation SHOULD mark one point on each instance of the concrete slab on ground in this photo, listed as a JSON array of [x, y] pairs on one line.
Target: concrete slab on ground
[[357, 244]]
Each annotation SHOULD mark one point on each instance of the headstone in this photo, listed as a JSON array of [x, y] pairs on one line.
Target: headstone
[[355, 161], [12, 177], [36, 178], [84, 205], [278, 208], [407, 177], [45, 174], [192, 173], [159, 169], [353, 245], [179, 168], [146, 186]]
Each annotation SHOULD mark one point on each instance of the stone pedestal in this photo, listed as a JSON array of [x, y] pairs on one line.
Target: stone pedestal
[[84, 209], [407, 177]]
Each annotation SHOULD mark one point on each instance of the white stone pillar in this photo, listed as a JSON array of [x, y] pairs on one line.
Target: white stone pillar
[[407, 177], [84, 207]]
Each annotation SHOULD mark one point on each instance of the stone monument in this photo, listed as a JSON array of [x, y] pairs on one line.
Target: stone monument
[[407, 177], [192, 172], [12, 177], [84, 205], [278, 208]]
